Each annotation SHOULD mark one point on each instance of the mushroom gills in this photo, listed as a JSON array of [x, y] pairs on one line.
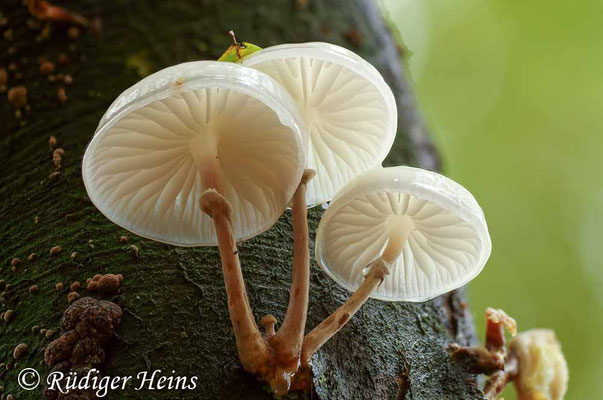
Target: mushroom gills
[[435, 246], [344, 116], [348, 109], [156, 161]]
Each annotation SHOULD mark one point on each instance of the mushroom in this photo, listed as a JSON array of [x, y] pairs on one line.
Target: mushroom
[[232, 139], [188, 128], [420, 234], [349, 111]]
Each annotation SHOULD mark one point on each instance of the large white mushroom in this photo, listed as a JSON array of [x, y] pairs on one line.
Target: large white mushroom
[[185, 129], [207, 153], [348, 109], [398, 234]]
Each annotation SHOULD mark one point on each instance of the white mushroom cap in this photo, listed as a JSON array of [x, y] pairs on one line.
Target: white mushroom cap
[[447, 244], [142, 168], [349, 110]]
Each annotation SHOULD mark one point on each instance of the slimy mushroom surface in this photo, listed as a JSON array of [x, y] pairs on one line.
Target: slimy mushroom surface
[[188, 128], [349, 111], [442, 234]]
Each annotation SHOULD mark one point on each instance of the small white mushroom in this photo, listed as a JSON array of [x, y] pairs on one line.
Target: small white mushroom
[[428, 229], [398, 234], [349, 110]]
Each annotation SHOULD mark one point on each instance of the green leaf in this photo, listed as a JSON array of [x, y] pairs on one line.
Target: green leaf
[[236, 52]]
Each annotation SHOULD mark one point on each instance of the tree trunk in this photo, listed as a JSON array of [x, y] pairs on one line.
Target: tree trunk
[[175, 310]]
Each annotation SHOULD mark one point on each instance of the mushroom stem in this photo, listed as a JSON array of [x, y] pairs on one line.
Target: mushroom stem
[[205, 153], [268, 322], [330, 326], [376, 273], [400, 228], [288, 340], [252, 349]]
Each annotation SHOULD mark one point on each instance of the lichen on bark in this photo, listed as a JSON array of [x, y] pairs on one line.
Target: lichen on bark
[[173, 299]]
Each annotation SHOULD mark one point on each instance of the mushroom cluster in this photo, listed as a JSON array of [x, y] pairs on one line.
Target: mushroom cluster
[[210, 153], [88, 325]]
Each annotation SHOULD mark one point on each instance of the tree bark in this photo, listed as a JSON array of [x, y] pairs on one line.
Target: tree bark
[[175, 309]]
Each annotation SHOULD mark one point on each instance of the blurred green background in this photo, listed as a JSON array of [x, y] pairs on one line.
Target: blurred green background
[[513, 93]]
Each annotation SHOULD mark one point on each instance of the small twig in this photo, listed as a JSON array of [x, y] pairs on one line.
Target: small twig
[[233, 37], [491, 358], [136, 317], [497, 382]]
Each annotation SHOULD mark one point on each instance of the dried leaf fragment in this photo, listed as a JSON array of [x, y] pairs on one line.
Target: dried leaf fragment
[[45, 11]]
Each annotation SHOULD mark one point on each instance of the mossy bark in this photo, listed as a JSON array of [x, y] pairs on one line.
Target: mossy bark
[[175, 311]]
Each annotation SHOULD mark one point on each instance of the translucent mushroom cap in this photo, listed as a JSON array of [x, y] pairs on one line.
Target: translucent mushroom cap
[[348, 109], [142, 168], [448, 242]]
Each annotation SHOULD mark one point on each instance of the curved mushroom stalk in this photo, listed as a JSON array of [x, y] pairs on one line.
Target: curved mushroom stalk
[[252, 349], [274, 358], [377, 271], [288, 340], [330, 326]]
